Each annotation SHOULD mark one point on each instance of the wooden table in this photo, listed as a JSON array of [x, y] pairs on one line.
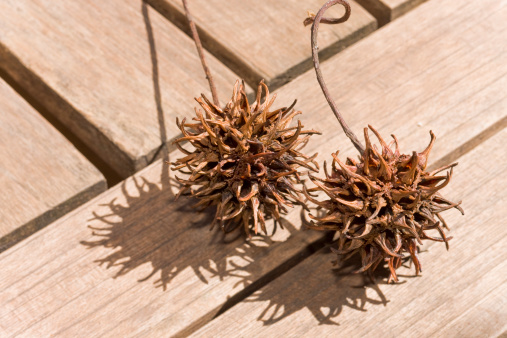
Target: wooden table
[[133, 261], [43, 176]]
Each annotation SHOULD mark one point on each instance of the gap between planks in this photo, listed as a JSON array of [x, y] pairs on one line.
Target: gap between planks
[[110, 90], [245, 34], [41, 173], [320, 245], [363, 316], [386, 11], [470, 105], [111, 176]]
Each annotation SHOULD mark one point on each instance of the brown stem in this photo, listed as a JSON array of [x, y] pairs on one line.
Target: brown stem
[[315, 56], [198, 44]]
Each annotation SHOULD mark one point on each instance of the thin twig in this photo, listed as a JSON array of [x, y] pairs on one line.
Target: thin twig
[[315, 56], [198, 44], [331, 21]]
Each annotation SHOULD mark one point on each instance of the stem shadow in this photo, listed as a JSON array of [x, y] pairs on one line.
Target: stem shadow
[[144, 224]]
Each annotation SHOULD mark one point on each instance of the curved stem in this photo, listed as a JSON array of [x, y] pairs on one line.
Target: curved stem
[[198, 45], [315, 56], [331, 21]]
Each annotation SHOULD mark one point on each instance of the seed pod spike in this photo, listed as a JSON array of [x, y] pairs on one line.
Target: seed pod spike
[[393, 276], [366, 154], [436, 171], [247, 110], [397, 148], [423, 157], [255, 210], [385, 148], [409, 176], [263, 223], [258, 97], [246, 222]]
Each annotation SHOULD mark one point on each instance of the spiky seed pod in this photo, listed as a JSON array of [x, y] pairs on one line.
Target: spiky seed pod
[[246, 159], [383, 205]]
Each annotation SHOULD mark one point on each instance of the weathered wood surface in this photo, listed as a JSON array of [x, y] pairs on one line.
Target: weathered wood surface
[[388, 10], [442, 67], [41, 174], [395, 79], [152, 267], [156, 262], [264, 39], [461, 292], [111, 71]]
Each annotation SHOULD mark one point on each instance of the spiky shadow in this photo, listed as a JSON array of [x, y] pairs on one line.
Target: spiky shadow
[[150, 227], [145, 225], [324, 291]]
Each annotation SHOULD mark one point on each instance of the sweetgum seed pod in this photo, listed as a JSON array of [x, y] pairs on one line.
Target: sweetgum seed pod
[[383, 205], [246, 161]]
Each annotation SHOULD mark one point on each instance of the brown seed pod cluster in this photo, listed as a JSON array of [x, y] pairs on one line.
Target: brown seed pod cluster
[[383, 205], [246, 159]]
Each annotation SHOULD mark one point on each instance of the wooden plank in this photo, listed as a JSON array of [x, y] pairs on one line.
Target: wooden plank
[[64, 290], [41, 173], [112, 71], [98, 284], [263, 39], [387, 10], [479, 308], [421, 70], [461, 292]]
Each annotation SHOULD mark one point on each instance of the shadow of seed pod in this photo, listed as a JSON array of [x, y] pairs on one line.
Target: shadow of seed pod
[[246, 159]]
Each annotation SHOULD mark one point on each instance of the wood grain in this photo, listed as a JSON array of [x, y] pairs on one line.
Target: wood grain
[[263, 39], [152, 260], [41, 174], [387, 10], [461, 292], [116, 73], [418, 74], [396, 79], [131, 280]]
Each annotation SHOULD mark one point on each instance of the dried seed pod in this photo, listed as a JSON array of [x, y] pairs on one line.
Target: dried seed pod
[[383, 205], [245, 159]]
